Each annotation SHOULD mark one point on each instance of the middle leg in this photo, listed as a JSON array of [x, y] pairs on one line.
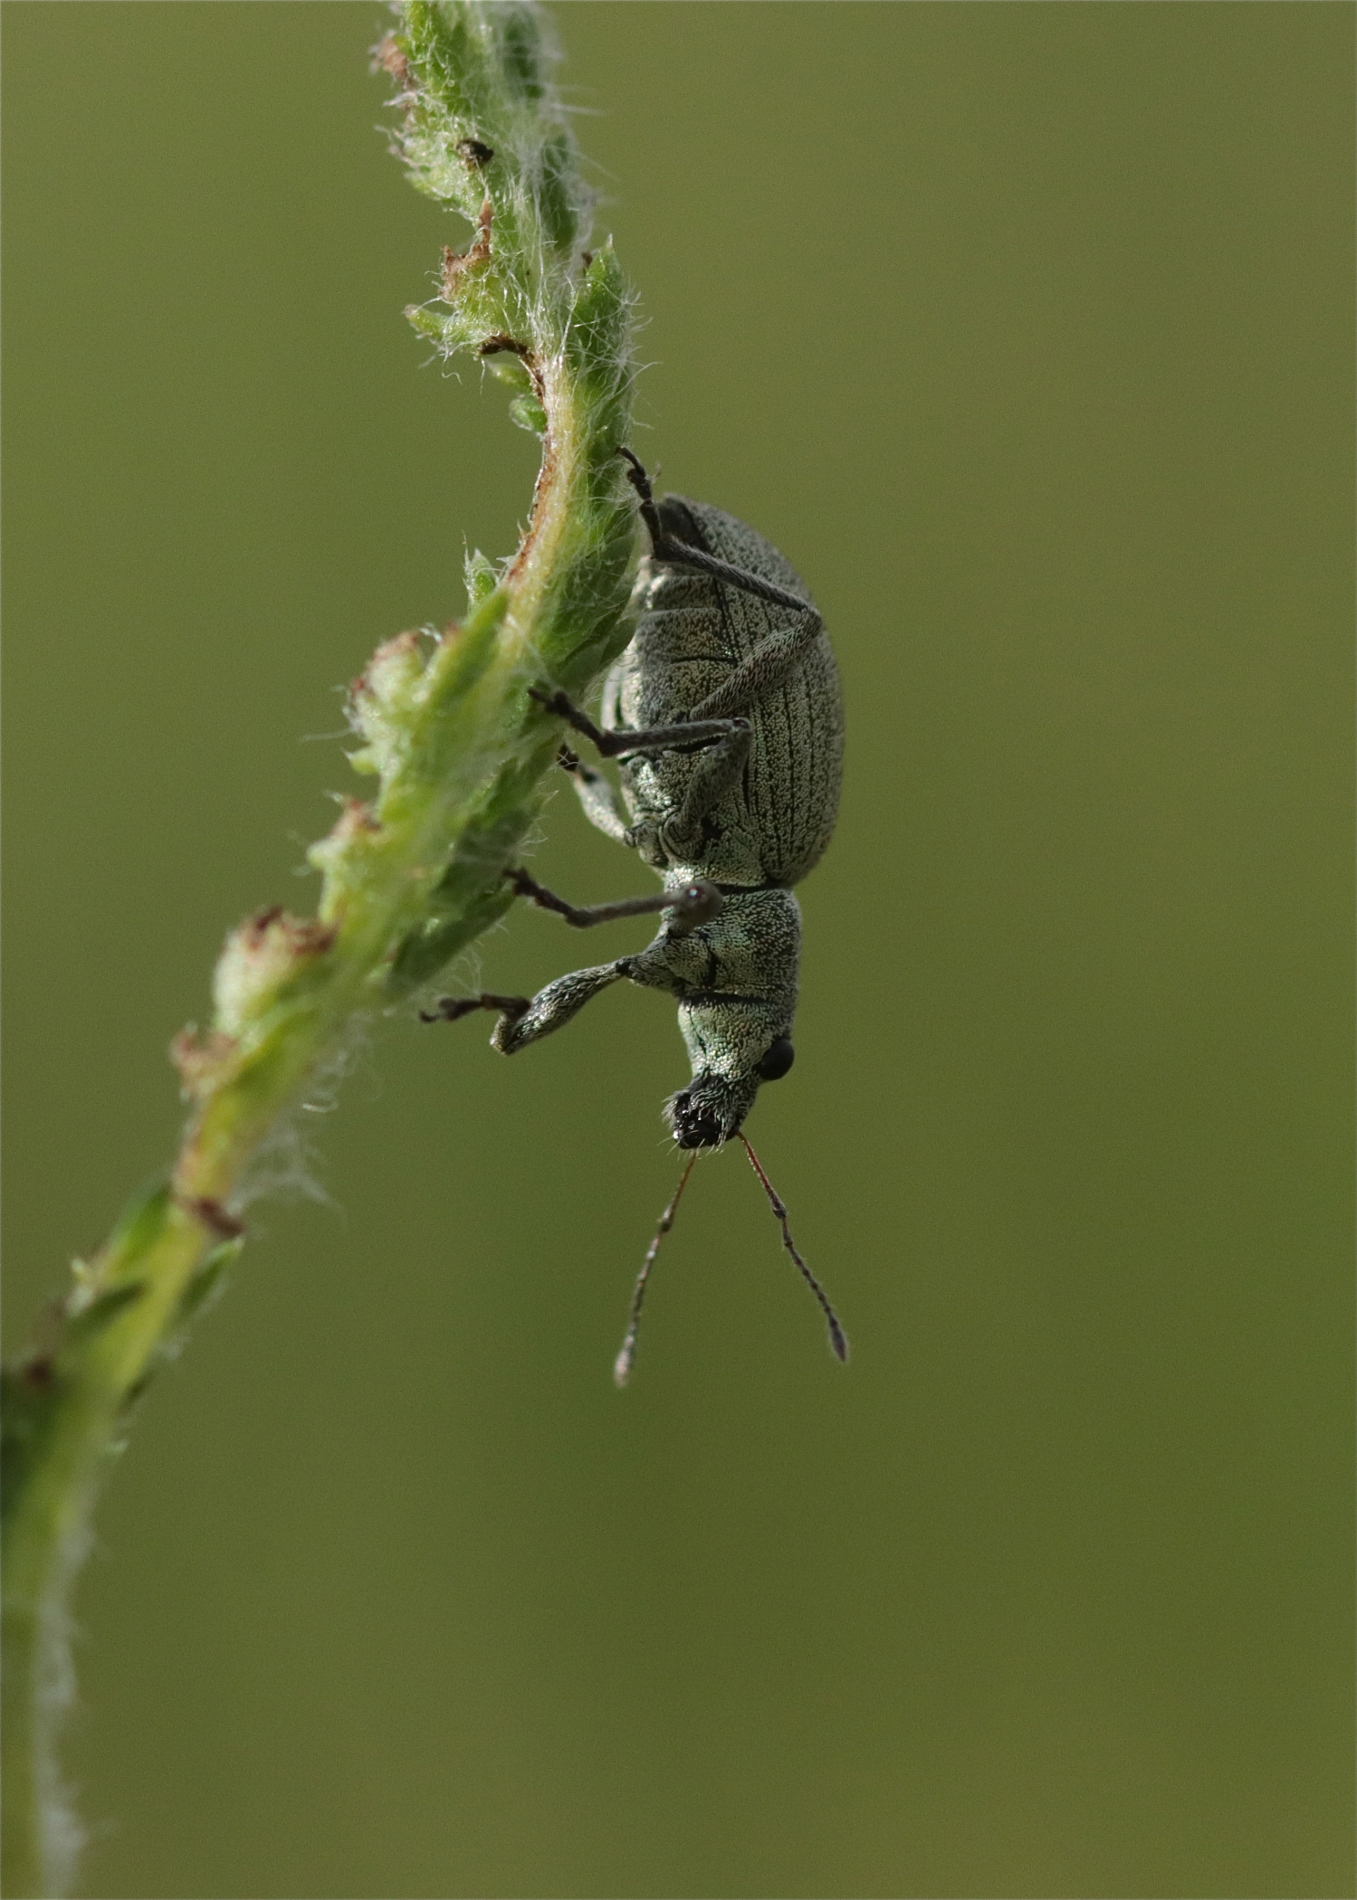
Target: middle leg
[[692, 904], [614, 745]]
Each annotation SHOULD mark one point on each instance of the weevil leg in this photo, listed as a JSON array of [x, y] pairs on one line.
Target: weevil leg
[[668, 547], [763, 670], [773, 658], [652, 739], [596, 795], [526, 1019], [451, 1009], [692, 905], [553, 1007], [718, 768], [640, 481], [678, 553]]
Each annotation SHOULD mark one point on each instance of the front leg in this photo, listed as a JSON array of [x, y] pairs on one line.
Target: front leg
[[526, 1019], [553, 1007]]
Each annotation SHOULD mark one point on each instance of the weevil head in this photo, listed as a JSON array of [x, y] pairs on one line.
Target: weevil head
[[710, 1110], [735, 1047]]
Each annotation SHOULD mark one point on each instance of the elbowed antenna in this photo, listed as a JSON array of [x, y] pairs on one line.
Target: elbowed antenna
[[625, 1359], [837, 1338]]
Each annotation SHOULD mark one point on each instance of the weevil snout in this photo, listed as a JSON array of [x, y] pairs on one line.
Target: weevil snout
[[695, 1124], [711, 1109]]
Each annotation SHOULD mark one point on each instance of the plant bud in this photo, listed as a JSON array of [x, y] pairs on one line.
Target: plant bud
[[261, 955]]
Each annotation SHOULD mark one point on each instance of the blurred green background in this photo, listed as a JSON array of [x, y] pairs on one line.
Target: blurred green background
[[1026, 332]]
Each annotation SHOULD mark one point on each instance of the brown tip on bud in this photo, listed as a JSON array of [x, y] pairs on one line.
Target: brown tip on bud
[[202, 1060], [394, 663], [266, 952], [387, 56], [273, 930], [400, 646], [497, 344], [355, 821], [456, 262], [212, 1215]]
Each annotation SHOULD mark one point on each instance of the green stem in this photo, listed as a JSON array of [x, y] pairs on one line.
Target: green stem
[[458, 748]]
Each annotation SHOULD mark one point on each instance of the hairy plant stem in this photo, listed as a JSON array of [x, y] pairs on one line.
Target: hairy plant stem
[[458, 748]]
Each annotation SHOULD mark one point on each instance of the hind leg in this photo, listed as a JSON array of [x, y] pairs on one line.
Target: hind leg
[[777, 655]]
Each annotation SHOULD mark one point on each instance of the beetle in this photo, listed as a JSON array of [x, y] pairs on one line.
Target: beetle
[[726, 719]]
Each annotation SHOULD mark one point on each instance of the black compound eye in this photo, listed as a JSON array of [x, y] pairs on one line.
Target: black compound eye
[[778, 1057]]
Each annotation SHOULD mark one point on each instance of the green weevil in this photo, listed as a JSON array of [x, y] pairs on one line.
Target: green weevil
[[725, 716]]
